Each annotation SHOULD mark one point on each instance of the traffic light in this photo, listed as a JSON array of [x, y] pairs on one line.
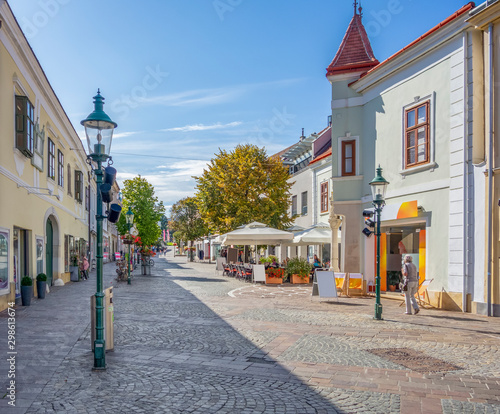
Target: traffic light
[[368, 214]]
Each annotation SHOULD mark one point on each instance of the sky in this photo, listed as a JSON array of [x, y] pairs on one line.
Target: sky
[[183, 78]]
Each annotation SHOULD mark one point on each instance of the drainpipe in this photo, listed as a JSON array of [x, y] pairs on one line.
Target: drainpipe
[[466, 178], [490, 168], [89, 253]]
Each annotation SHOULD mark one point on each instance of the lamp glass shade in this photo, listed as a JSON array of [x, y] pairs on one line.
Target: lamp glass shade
[[129, 216], [99, 128], [379, 186]]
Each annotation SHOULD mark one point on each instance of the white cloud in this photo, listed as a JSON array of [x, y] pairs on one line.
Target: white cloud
[[201, 127], [125, 134]]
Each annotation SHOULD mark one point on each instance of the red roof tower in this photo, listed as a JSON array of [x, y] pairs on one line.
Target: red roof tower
[[355, 53]]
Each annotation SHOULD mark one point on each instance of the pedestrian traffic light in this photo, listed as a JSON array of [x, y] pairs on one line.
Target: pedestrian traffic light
[[367, 232], [368, 214], [106, 193], [109, 175], [114, 212]]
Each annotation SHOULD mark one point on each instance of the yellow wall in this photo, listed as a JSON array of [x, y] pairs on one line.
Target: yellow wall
[[21, 207]]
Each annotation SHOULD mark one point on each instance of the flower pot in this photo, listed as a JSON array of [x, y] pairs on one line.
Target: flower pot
[[392, 288], [74, 273], [41, 287], [274, 280], [296, 279], [26, 294]]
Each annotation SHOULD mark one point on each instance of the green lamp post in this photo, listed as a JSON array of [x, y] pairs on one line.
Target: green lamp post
[[99, 131], [379, 187], [129, 216]]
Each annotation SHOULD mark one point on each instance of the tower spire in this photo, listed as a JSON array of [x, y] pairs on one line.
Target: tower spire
[[355, 6]]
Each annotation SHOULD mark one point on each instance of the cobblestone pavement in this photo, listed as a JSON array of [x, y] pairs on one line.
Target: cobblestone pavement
[[187, 340]]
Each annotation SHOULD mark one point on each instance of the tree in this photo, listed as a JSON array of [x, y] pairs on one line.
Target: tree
[[148, 211], [243, 186], [186, 220]]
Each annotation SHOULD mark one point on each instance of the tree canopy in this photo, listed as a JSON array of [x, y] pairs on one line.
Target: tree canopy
[[242, 186], [139, 194], [186, 220]]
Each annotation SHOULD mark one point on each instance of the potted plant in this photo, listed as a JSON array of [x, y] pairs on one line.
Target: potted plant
[[26, 290], [41, 285], [298, 270], [73, 267], [274, 275], [393, 279]]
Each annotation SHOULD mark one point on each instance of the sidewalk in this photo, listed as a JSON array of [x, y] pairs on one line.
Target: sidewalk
[[188, 340]]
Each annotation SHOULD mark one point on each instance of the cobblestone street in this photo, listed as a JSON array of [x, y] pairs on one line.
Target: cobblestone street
[[188, 340]]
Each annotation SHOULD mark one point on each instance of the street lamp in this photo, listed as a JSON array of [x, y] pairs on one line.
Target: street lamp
[[129, 216], [379, 188], [99, 131]]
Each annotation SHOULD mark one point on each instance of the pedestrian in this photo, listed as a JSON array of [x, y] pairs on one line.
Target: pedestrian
[[411, 282], [84, 267]]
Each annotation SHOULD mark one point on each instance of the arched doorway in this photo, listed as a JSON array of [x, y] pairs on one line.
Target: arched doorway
[[49, 251]]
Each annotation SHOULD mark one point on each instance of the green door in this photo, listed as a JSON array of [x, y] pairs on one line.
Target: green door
[[48, 252]]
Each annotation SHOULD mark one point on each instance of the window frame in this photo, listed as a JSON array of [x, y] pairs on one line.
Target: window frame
[[60, 168], [414, 129], [324, 207], [68, 179], [303, 196], [343, 145], [294, 205], [51, 159], [24, 123], [78, 186]]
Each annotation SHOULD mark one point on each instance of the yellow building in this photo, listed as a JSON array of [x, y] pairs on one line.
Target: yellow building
[[485, 37], [44, 177]]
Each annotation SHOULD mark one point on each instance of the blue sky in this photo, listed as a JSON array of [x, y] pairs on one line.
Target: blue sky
[[183, 78]]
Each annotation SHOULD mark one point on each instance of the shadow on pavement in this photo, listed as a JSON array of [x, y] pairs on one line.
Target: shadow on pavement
[[172, 354]]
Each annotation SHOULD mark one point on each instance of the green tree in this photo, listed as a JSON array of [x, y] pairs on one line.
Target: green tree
[[139, 194], [242, 186], [186, 220]]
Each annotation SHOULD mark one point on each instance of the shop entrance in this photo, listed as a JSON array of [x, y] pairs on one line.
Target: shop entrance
[[396, 243]]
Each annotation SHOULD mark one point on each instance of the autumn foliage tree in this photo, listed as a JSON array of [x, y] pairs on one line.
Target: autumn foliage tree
[[186, 220], [139, 194], [242, 186]]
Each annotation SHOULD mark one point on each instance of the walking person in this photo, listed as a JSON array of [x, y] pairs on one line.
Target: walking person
[[411, 282], [84, 267]]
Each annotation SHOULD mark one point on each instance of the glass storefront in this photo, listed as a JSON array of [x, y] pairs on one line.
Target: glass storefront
[[396, 243]]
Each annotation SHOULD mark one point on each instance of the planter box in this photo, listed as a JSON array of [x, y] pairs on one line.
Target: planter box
[[41, 287], [296, 279], [74, 273], [26, 294], [274, 280]]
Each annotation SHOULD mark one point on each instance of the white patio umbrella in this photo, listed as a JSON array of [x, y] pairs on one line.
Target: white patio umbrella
[[318, 234], [256, 233]]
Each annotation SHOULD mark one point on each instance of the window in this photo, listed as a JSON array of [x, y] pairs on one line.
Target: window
[[417, 135], [25, 113], [60, 168], [348, 158], [78, 186], [5, 254], [304, 203], [69, 180], [324, 197], [87, 198], [51, 160], [294, 206]]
